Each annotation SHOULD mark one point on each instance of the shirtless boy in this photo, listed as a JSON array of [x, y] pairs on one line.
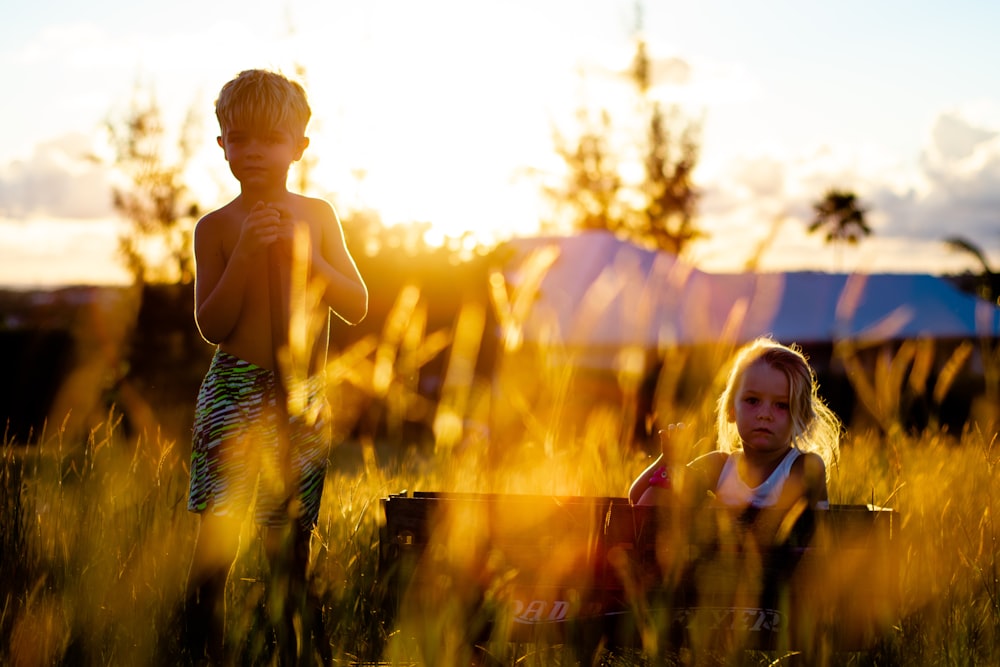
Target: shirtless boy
[[271, 266]]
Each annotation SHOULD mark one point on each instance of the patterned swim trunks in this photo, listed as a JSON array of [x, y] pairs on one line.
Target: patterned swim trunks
[[236, 450]]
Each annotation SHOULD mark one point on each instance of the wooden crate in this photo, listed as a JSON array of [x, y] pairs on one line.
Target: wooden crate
[[595, 570]]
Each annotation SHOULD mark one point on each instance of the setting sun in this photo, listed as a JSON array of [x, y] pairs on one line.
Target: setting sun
[[437, 136]]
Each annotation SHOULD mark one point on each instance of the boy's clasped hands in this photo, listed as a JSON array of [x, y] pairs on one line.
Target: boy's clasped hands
[[266, 223]]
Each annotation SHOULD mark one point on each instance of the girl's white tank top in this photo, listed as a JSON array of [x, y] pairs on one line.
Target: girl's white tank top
[[734, 492]]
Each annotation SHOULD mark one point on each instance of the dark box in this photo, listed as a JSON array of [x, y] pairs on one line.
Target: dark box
[[593, 570]]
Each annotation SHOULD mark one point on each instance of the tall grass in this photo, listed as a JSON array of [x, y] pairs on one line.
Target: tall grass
[[96, 541]]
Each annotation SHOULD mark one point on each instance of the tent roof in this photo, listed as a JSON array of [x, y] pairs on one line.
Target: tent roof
[[600, 291]]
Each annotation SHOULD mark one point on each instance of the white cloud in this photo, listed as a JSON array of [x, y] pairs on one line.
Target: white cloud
[[960, 189], [61, 43], [58, 180], [955, 138]]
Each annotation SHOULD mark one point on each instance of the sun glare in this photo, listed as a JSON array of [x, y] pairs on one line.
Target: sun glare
[[432, 124]]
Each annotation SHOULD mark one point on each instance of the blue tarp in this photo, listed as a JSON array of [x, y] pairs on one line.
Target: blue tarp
[[595, 290]]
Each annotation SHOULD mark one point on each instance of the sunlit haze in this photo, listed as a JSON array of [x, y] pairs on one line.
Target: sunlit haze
[[443, 112]]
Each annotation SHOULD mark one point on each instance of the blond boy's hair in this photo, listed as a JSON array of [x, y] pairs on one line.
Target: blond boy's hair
[[815, 427], [263, 100]]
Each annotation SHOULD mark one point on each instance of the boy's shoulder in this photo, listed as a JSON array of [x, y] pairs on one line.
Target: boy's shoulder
[[314, 205], [219, 215], [218, 229]]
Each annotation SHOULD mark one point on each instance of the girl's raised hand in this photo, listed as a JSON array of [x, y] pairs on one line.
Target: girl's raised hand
[[668, 441]]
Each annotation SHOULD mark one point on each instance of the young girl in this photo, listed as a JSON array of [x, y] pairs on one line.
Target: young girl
[[776, 438]]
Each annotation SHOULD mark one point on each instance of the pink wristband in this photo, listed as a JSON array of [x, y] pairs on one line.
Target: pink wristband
[[661, 478]]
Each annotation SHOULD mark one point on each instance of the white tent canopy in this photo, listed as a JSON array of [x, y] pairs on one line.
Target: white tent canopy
[[601, 292]]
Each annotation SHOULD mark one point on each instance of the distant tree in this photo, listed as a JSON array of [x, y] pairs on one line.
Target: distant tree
[[591, 190], [841, 215], [657, 211], [670, 197], [367, 234], [154, 199]]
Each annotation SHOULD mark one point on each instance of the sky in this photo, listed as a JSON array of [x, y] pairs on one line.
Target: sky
[[444, 111]]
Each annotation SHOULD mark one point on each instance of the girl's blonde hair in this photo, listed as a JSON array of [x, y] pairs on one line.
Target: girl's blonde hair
[[815, 427], [263, 100]]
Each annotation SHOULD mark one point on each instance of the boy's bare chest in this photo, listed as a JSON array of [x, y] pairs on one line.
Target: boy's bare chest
[[273, 270]]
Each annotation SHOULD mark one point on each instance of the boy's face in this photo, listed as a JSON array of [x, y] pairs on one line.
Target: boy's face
[[261, 157]]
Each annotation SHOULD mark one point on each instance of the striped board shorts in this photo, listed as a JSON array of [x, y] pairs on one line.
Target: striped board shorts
[[236, 453]]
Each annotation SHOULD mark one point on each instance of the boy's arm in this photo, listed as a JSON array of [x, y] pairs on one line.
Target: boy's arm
[[216, 306], [345, 292]]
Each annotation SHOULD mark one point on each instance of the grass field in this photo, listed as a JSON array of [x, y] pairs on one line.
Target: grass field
[[96, 541]]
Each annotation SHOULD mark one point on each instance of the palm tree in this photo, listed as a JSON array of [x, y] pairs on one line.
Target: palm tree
[[841, 214], [989, 284]]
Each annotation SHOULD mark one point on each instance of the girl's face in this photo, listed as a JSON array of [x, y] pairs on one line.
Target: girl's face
[[761, 409]]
